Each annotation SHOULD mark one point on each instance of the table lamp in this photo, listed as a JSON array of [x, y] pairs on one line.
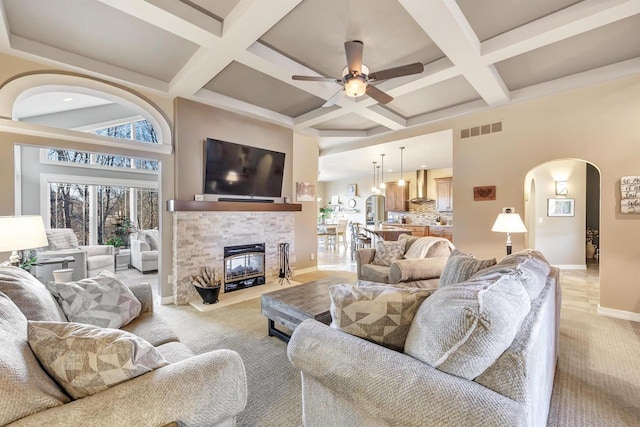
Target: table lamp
[[509, 223], [21, 232]]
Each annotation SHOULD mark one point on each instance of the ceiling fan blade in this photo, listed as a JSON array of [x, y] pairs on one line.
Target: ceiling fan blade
[[353, 50], [403, 70], [378, 95], [314, 79], [333, 98]]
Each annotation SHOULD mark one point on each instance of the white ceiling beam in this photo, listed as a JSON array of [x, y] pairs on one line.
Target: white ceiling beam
[[247, 22], [5, 44], [579, 18], [444, 23], [173, 17], [68, 60]]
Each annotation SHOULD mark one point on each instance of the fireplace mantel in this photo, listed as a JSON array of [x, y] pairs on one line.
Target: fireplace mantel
[[191, 205]]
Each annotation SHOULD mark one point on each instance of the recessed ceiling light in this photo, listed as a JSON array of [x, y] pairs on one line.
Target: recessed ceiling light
[[67, 99], [389, 170], [423, 166]]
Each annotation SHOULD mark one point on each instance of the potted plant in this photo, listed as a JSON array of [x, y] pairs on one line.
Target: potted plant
[[115, 241], [207, 284], [324, 214]]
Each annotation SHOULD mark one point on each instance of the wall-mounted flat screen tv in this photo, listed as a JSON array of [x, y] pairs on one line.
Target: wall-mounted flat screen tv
[[239, 170]]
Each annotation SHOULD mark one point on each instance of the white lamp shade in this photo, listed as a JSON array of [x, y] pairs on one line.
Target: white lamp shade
[[22, 232], [509, 223]]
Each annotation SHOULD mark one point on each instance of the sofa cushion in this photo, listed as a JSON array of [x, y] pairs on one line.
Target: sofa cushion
[[96, 262], [86, 359], [461, 266], [102, 301], [429, 247], [375, 273], [151, 327], [25, 387], [531, 266], [388, 252], [61, 238], [463, 328], [377, 313], [31, 296]]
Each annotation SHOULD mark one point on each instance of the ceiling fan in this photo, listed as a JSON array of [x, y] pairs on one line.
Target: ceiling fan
[[356, 79]]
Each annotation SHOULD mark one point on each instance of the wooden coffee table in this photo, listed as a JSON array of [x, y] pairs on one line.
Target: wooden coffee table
[[291, 306]]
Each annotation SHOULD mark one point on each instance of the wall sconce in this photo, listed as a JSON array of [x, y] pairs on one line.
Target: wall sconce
[[561, 188]]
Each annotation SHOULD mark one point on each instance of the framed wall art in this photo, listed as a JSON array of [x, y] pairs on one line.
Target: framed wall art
[[351, 190], [305, 192], [484, 193], [561, 207]]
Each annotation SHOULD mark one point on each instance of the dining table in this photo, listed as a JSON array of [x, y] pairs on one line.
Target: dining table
[[386, 232]]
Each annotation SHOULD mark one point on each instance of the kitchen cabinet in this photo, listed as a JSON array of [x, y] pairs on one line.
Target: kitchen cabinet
[[441, 231], [416, 230], [397, 197], [444, 194]]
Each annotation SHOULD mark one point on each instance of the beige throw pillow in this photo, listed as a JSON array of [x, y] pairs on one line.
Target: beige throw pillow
[[25, 388], [85, 359], [461, 266], [377, 313], [30, 295], [463, 328], [101, 301], [388, 252]]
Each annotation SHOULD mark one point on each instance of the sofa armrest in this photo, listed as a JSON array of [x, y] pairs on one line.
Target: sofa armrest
[[143, 293], [363, 256], [209, 389], [94, 250], [391, 386], [138, 246], [407, 270]]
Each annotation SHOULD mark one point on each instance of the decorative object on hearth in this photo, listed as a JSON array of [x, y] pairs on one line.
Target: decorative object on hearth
[[356, 79], [509, 223], [630, 194], [208, 284], [285, 268], [18, 233], [484, 193]]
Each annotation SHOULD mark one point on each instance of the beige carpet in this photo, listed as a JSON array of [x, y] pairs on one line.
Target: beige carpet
[[597, 381]]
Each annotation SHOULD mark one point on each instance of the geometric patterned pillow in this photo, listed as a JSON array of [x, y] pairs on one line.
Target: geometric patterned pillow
[[378, 313], [388, 252], [101, 301], [85, 359], [461, 266], [61, 238]]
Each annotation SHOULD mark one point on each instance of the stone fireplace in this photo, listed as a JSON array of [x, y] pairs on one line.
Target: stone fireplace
[[199, 239], [243, 266]]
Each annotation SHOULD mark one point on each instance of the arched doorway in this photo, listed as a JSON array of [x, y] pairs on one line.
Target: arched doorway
[[562, 235]]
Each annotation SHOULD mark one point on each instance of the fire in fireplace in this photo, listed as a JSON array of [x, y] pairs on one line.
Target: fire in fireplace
[[243, 266]]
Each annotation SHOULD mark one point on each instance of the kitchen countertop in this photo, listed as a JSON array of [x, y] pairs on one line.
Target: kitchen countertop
[[399, 224]]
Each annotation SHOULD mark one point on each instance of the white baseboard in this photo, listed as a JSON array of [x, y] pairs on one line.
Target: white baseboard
[[571, 266], [166, 300], [619, 314], [306, 270]]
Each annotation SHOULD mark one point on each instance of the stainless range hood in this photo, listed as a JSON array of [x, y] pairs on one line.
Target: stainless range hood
[[421, 187]]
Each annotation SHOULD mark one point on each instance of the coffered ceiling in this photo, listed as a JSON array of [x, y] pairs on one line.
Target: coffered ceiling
[[240, 55]]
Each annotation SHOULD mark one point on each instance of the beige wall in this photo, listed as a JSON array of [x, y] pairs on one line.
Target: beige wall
[[599, 125], [305, 161]]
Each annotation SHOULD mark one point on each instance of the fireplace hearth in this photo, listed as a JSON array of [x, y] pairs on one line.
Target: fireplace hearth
[[243, 266]]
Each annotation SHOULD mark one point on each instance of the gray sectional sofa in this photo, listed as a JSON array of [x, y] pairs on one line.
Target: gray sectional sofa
[[348, 380], [192, 390]]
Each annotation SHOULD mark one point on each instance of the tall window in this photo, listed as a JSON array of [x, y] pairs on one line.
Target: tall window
[[70, 209]]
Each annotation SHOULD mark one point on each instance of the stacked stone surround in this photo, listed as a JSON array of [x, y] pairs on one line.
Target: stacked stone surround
[[199, 238]]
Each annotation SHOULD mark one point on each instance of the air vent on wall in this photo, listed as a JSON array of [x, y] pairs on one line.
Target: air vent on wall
[[481, 130]]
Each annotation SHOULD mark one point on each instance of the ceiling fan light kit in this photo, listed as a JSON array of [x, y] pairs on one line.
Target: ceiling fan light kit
[[356, 79]]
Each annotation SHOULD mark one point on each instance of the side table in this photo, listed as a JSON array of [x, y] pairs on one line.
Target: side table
[[123, 259]]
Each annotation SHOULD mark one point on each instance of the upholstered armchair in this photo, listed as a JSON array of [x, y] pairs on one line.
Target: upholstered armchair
[[420, 264], [89, 260], [144, 250]]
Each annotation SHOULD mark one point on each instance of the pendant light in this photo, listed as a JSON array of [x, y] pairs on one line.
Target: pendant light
[[401, 182], [382, 184], [378, 189], [374, 188]]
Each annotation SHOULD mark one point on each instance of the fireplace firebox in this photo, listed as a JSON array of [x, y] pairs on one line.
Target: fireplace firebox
[[243, 266]]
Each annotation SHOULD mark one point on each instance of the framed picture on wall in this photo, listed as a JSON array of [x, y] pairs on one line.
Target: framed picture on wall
[[305, 192], [351, 190], [560, 207]]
